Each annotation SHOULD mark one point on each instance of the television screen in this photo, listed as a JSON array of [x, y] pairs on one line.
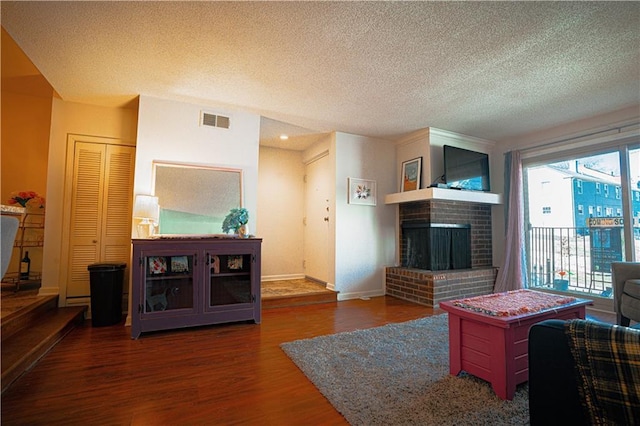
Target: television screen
[[465, 169]]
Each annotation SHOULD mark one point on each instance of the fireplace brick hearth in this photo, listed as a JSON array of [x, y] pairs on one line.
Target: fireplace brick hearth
[[432, 287]]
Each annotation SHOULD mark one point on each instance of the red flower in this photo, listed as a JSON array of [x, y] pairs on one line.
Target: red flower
[[27, 199]]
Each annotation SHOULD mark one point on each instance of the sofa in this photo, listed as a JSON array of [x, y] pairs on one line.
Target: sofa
[[625, 277], [569, 363]]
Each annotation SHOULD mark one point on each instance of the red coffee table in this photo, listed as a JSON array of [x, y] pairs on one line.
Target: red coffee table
[[489, 335]]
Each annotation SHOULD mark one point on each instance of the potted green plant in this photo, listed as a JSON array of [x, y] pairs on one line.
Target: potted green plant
[[236, 221]]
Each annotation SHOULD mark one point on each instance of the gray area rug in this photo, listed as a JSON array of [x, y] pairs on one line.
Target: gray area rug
[[398, 374]]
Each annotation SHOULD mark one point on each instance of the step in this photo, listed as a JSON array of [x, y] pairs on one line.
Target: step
[[300, 300], [25, 347], [27, 316]]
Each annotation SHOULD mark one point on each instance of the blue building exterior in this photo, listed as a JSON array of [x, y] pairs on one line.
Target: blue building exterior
[[597, 199]]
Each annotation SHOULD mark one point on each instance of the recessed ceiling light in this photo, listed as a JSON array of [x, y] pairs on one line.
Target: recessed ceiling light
[[284, 137]]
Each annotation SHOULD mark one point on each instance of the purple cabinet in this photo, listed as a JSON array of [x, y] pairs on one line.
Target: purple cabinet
[[194, 280]]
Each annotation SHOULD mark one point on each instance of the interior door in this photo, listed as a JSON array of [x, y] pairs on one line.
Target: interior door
[[100, 217], [317, 220]]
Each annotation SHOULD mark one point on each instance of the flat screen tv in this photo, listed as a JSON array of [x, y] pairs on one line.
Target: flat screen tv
[[465, 169]]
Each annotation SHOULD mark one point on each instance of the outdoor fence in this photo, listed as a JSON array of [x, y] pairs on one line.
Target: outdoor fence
[[574, 259]]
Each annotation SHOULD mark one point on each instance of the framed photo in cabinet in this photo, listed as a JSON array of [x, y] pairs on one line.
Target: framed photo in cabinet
[[157, 265], [234, 263], [215, 264], [179, 264]]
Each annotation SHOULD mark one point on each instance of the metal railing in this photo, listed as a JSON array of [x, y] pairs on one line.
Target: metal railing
[[573, 259]]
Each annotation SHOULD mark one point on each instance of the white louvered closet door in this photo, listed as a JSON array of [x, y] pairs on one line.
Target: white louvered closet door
[[100, 227]]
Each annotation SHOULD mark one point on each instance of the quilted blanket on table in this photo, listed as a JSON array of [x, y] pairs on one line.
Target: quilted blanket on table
[[607, 362], [512, 303]]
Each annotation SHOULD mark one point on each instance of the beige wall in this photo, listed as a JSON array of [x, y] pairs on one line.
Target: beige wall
[[73, 118], [25, 143], [280, 211], [26, 118]]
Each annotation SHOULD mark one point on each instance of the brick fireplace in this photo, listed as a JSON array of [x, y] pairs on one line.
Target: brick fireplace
[[429, 287]]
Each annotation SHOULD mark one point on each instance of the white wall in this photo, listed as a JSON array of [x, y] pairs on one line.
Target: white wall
[[280, 212], [170, 131], [412, 146], [428, 143], [365, 236]]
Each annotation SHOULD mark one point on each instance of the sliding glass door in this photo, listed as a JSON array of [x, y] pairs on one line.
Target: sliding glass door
[[582, 213]]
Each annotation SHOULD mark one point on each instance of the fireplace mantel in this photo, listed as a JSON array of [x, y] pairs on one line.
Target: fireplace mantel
[[443, 194]]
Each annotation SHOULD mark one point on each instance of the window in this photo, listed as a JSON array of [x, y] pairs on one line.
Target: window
[[582, 247]]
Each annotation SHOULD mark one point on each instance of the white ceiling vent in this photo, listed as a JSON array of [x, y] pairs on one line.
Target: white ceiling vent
[[214, 120]]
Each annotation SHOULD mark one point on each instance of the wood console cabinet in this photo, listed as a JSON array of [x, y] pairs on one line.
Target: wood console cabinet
[[191, 281]]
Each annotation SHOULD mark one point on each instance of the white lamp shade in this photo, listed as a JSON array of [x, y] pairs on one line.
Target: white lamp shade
[[146, 207]]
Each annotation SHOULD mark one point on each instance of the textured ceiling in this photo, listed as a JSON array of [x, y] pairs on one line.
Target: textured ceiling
[[492, 70]]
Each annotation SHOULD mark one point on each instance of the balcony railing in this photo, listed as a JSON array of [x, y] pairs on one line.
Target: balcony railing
[[574, 259]]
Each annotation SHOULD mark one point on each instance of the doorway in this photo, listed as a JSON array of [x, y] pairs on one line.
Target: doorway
[[97, 226], [318, 218]]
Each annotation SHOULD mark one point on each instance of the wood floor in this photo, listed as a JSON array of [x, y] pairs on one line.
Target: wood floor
[[226, 374]]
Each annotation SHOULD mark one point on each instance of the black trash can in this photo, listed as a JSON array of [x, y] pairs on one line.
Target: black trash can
[[106, 293]]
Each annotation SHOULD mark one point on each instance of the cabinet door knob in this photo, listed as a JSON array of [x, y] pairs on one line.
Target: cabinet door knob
[[94, 241]]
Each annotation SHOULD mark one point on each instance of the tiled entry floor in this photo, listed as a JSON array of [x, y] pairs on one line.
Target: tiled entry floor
[[281, 293]]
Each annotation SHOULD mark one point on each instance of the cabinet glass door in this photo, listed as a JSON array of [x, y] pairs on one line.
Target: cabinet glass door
[[169, 283], [230, 279]]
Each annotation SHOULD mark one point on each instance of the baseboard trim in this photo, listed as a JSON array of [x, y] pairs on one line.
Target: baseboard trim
[[48, 291], [360, 295], [282, 277]]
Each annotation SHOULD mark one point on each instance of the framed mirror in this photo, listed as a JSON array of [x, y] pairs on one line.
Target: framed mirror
[[195, 199]]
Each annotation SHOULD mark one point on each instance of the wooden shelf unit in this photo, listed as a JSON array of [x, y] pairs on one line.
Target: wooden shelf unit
[[193, 281], [30, 235]]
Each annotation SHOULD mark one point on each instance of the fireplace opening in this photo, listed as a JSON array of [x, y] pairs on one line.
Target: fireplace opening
[[436, 246]]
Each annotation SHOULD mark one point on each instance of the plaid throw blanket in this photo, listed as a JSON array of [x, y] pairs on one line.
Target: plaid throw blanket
[[607, 362]]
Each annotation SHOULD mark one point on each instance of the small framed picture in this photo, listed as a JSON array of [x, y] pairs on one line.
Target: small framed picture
[[362, 191], [179, 264], [157, 265], [234, 262], [411, 174], [215, 265]]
